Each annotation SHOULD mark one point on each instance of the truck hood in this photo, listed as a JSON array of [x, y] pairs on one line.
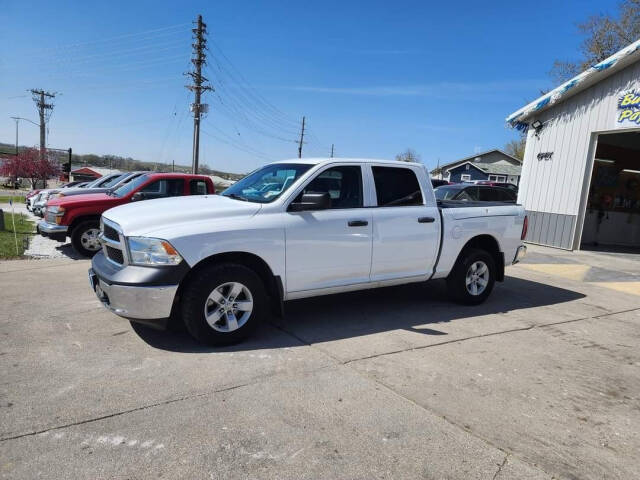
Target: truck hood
[[77, 200], [68, 192], [144, 217]]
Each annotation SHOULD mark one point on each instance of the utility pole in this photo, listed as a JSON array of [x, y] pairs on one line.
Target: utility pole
[[173, 165], [301, 139], [198, 86], [332, 150], [39, 96]]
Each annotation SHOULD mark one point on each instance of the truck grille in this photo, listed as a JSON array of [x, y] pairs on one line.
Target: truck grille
[[50, 217], [112, 246], [111, 233], [115, 254]]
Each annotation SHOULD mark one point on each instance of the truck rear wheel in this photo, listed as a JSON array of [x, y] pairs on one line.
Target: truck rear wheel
[[84, 238], [472, 278], [223, 304]]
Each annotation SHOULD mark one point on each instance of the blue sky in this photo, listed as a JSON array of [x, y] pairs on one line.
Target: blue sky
[[371, 77]]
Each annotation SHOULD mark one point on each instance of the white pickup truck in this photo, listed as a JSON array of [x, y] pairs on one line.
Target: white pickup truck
[[295, 229]]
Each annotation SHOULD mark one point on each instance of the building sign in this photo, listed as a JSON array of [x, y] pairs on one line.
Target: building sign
[[545, 155], [629, 108]]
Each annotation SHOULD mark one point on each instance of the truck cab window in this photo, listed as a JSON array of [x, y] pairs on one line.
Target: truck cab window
[[396, 187], [164, 188], [198, 187], [343, 184], [489, 194]]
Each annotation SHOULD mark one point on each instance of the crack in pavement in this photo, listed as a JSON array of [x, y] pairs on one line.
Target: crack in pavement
[[160, 404], [501, 466], [483, 335]]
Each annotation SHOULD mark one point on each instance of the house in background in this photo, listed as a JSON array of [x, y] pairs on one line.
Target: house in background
[[493, 165]]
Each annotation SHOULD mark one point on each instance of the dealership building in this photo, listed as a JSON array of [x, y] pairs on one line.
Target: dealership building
[[580, 179]]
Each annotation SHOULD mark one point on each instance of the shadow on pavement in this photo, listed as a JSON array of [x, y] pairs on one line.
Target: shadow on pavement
[[334, 317]]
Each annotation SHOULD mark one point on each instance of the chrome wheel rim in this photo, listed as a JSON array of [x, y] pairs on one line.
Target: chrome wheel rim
[[477, 278], [228, 307], [89, 239]]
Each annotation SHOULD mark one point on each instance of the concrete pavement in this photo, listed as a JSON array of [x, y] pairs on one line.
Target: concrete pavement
[[539, 382]]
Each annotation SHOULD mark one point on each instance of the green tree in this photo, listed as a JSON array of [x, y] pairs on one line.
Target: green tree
[[604, 35], [409, 155]]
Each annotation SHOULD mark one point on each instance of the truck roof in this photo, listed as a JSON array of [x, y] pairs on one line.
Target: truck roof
[[323, 160], [173, 174]]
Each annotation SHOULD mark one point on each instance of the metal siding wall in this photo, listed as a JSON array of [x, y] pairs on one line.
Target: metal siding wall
[[550, 229], [551, 190]]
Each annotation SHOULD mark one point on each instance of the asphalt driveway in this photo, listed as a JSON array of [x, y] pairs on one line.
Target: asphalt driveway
[[542, 381]]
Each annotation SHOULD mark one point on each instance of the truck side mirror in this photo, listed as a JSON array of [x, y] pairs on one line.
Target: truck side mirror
[[311, 201], [138, 196]]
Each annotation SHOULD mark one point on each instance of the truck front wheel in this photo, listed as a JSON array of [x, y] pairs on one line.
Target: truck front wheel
[[84, 238], [221, 305], [472, 278]]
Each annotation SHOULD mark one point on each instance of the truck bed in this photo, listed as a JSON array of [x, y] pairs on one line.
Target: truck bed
[[463, 204]]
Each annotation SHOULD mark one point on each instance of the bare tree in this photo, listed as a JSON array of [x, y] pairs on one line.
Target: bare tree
[[409, 155], [515, 148], [604, 35]]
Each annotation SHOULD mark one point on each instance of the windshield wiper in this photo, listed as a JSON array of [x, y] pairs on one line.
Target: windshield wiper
[[235, 196]]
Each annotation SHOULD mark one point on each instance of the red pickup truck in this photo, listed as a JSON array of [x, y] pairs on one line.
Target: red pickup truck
[[78, 216]]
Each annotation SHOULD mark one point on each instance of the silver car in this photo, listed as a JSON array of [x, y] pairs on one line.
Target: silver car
[[102, 184]]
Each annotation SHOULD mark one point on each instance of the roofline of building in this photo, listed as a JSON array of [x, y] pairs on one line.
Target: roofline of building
[[475, 165], [466, 159], [584, 80]]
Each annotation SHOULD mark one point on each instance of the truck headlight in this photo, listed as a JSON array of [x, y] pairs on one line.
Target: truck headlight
[[152, 252], [58, 212]]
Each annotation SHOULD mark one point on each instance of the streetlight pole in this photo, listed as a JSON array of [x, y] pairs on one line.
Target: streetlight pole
[[17, 119]]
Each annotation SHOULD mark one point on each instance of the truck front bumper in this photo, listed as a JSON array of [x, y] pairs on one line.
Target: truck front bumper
[[135, 303], [51, 230], [142, 294]]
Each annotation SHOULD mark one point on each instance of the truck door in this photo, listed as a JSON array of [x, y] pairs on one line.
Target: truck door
[[406, 225], [332, 247]]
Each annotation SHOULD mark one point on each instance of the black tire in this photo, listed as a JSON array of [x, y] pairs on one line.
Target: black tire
[[77, 240], [195, 297], [457, 279]]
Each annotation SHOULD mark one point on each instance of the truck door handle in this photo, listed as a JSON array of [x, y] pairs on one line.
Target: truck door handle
[[426, 220], [358, 223]]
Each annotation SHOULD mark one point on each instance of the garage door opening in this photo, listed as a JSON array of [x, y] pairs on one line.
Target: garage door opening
[[612, 217]]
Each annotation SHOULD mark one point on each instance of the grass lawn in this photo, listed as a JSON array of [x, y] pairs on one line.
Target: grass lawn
[[24, 229], [16, 199]]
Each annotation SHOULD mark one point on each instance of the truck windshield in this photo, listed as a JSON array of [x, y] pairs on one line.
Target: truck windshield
[[113, 181], [267, 183], [127, 188]]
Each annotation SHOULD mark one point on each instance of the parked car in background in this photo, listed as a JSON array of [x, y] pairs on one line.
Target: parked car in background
[[76, 183], [78, 216], [102, 184], [39, 201], [437, 182], [295, 229], [30, 197], [507, 185], [38, 196], [468, 192]]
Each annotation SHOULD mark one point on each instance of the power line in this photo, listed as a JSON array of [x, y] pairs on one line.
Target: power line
[[117, 37]]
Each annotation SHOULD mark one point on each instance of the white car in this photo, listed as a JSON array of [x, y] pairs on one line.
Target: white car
[[222, 263], [39, 201]]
